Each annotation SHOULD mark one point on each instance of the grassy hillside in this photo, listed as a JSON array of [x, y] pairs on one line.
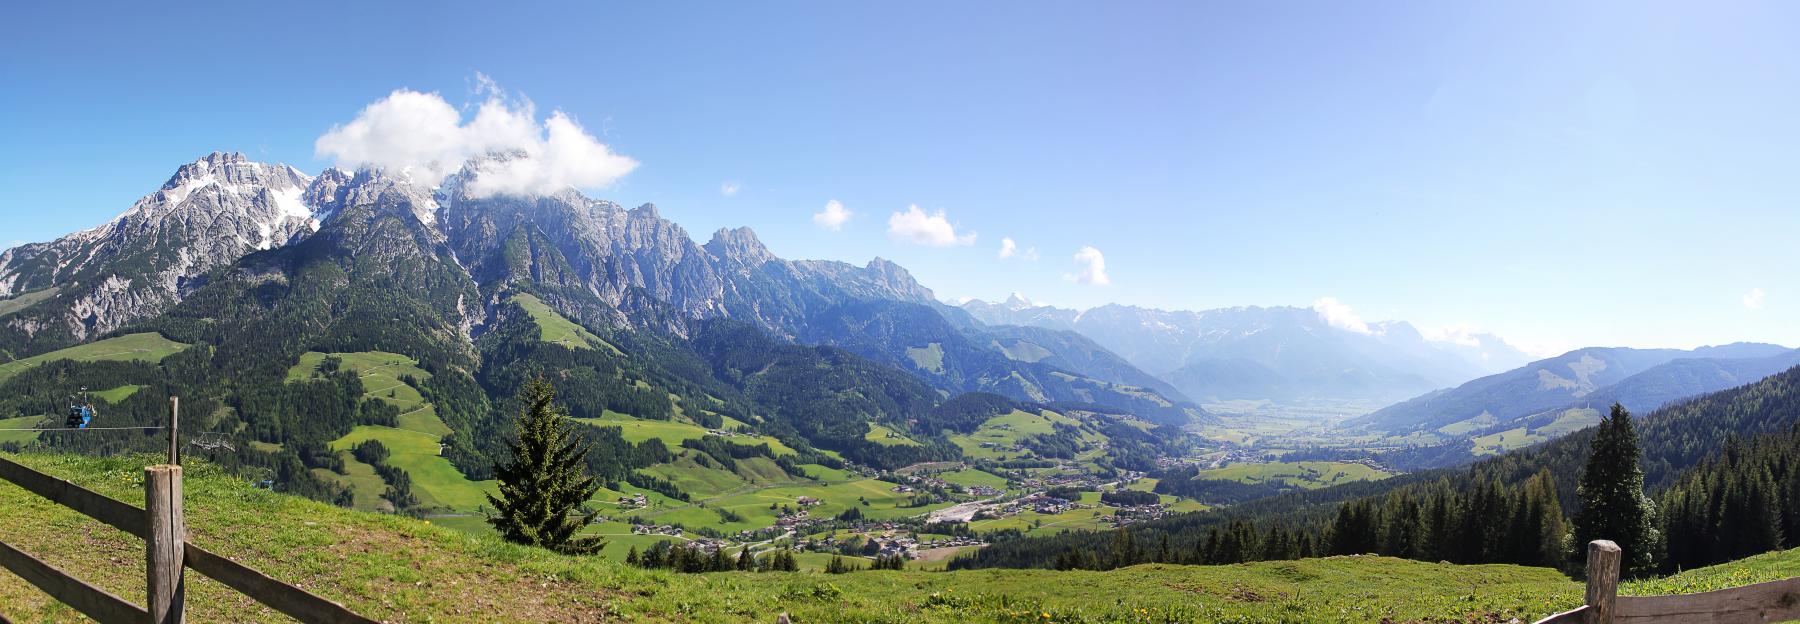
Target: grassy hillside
[[403, 570], [144, 347], [558, 329], [413, 444], [672, 432], [26, 300], [998, 436]]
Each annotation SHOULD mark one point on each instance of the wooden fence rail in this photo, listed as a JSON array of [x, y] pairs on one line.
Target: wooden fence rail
[[89, 600], [162, 525], [1774, 601]]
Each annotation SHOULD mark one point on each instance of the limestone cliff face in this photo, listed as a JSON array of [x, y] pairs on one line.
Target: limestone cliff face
[[649, 268]]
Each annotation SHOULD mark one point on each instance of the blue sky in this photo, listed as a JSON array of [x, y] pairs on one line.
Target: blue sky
[[1563, 174]]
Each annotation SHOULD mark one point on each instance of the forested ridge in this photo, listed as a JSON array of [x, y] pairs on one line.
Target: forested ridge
[[1507, 495]]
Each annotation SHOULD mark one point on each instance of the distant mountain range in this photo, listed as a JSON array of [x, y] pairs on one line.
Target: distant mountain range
[[1268, 353], [249, 239], [1535, 394]]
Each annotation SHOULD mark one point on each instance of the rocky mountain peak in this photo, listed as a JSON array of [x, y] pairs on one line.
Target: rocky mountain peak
[[1017, 301], [739, 245], [897, 279], [209, 213]]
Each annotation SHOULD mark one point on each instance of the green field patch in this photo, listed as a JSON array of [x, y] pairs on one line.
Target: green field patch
[[380, 373], [115, 395], [823, 473], [696, 480], [880, 434], [556, 329], [1500, 442], [1570, 421], [883, 504], [1033, 522], [929, 357], [996, 437], [673, 432], [972, 477], [937, 559], [1183, 505], [26, 300], [366, 487], [1308, 474], [436, 482], [1026, 351], [145, 347], [23, 422], [1139, 425], [1468, 426]]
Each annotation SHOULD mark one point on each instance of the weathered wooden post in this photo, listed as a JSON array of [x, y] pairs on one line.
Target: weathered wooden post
[[174, 431], [165, 544], [1602, 580]]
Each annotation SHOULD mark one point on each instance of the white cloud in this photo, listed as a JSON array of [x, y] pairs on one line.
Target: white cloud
[[833, 217], [1010, 249], [918, 228], [1462, 334], [1093, 270], [1338, 314], [728, 189], [1754, 299], [421, 136]]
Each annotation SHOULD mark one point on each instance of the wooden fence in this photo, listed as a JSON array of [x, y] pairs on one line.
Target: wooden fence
[[1774, 601], [163, 527]]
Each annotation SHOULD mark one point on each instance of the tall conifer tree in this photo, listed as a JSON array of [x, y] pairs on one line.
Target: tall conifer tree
[[1611, 490], [543, 487]]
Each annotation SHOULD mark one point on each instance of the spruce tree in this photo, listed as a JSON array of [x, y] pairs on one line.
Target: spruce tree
[[546, 481], [1611, 491]]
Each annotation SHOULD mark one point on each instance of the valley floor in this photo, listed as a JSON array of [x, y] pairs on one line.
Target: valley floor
[[402, 570]]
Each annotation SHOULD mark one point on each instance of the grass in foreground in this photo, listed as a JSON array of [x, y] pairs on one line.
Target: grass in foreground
[[401, 570], [1762, 568]]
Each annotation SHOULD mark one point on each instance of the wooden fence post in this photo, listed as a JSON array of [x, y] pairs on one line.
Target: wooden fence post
[[165, 544], [1602, 580], [174, 431]]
